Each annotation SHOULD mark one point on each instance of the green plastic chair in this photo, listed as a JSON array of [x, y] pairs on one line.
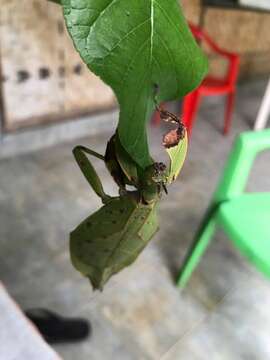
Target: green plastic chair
[[245, 217]]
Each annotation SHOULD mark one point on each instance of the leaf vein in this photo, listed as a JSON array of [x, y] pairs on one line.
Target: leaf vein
[[179, 32], [125, 37]]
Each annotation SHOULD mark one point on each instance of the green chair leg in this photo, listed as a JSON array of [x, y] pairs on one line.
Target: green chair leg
[[231, 190], [197, 249]]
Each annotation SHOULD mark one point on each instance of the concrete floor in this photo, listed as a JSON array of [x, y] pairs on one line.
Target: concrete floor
[[224, 311]]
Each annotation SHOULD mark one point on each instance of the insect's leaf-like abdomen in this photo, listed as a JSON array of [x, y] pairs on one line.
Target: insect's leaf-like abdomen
[[112, 238]]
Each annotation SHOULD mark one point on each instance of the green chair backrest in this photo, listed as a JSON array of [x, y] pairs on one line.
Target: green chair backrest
[[237, 168]]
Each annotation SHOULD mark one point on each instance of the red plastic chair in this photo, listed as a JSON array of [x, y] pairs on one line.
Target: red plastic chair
[[211, 85]]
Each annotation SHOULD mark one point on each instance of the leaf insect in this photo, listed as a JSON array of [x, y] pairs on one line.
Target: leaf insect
[[113, 237]]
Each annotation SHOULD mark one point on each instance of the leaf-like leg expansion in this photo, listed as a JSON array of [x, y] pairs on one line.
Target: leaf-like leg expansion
[[89, 172]]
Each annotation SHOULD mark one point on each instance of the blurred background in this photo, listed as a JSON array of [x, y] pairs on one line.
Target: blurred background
[[44, 80], [49, 102]]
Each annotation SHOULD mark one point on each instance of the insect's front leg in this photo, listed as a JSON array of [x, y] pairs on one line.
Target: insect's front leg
[[114, 167], [89, 172]]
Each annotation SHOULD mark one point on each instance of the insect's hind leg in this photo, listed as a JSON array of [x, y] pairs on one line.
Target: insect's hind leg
[[89, 171], [89, 151]]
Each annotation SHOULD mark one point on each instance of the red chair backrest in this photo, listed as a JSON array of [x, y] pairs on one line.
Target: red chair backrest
[[234, 59], [200, 35]]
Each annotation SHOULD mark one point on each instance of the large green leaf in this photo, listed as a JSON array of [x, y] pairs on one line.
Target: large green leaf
[[135, 46]]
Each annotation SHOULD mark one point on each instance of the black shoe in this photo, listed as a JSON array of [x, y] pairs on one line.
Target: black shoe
[[57, 329]]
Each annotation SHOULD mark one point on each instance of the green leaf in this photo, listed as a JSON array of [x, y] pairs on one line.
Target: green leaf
[[177, 155], [135, 46]]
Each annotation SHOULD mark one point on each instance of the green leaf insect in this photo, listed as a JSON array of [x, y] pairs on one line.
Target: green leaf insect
[[114, 236], [144, 50]]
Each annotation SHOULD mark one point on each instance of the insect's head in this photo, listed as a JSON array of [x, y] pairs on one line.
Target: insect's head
[[154, 180], [155, 173], [158, 172]]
